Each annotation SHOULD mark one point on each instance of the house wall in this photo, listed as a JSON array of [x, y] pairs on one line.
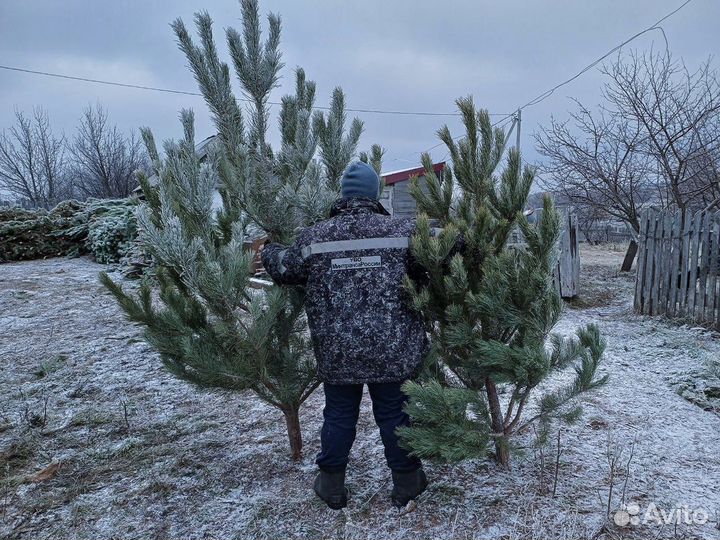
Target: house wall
[[403, 204], [386, 199]]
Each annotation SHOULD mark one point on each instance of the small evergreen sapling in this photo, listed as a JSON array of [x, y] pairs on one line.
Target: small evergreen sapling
[[491, 307], [209, 325]]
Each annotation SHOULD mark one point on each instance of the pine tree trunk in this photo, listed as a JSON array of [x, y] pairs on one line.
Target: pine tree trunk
[[292, 420], [502, 449], [502, 452]]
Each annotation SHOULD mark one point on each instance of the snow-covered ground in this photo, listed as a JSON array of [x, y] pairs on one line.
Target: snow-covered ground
[[98, 441]]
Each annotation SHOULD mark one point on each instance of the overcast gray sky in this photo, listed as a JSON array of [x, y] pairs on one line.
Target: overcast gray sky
[[392, 54]]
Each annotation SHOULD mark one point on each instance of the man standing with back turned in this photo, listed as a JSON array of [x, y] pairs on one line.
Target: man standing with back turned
[[363, 331]]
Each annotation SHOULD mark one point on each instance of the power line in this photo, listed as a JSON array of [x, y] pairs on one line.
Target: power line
[[186, 93], [551, 91], [654, 26], [504, 117], [98, 81]]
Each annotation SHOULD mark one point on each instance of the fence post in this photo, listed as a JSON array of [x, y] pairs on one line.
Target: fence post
[[649, 261], [712, 268], [704, 259], [657, 229], [665, 257], [695, 246], [641, 262], [685, 266], [569, 261], [675, 264]]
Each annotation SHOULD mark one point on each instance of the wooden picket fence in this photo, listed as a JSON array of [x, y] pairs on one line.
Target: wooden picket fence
[[566, 274], [678, 263]]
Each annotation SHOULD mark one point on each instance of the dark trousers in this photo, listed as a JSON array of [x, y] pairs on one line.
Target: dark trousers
[[342, 408]]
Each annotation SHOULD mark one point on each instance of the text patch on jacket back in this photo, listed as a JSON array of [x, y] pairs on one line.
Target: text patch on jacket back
[[352, 263]]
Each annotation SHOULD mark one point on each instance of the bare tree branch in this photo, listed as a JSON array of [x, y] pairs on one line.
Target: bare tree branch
[[679, 113], [33, 161], [104, 160], [655, 140]]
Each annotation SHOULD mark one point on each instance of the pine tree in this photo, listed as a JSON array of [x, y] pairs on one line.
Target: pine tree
[[210, 326], [490, 307]]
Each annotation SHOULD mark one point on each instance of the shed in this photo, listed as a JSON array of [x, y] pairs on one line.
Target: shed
[[396, 196]]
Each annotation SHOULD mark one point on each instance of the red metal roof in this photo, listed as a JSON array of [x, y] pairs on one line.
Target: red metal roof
[[400, 176]]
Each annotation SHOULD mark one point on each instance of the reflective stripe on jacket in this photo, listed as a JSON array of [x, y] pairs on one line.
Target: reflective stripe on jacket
[[352, 266]]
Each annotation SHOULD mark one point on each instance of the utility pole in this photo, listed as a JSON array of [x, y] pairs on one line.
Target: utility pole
[[518, 120]]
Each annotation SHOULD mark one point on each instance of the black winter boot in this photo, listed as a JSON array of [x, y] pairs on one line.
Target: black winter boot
[[407, 486], [330, 487]]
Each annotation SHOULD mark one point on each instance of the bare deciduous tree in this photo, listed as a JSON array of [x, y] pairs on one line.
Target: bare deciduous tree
[[704, 171], [104, 160], [678, 112], [32, 160], [655, 140], [594, 162]]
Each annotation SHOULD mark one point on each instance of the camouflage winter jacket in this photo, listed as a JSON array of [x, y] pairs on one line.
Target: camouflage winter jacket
[[352, 266]]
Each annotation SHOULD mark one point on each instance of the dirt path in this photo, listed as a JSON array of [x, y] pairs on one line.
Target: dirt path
[[142, 455]]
